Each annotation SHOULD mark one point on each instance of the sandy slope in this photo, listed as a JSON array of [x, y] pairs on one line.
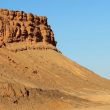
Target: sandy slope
[[95, 108], [47, 80]]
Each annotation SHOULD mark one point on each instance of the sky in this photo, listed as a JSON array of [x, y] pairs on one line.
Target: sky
[[81, 28]]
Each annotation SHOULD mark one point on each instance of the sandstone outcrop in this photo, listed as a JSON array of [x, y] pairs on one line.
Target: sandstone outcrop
[[18, 26]]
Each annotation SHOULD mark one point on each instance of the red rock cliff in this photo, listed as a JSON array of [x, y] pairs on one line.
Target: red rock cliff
[[18, 26]]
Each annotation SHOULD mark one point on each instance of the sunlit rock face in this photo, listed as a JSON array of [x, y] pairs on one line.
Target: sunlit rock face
[[18, 26]]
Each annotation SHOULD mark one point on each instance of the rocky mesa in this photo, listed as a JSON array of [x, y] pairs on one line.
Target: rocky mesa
[[34, 76], [18, 26]]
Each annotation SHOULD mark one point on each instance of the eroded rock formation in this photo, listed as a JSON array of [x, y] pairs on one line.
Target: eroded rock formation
[[18, 26]]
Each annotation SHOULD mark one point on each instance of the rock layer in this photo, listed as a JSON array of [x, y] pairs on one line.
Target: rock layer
[[18, 26]]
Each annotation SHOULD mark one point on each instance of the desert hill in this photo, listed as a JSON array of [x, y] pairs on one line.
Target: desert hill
[[35, 75]]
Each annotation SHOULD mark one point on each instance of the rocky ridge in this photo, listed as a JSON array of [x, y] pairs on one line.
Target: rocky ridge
[[26, 28]]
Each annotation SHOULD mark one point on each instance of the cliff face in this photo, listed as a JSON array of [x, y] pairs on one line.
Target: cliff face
[[18, 26]]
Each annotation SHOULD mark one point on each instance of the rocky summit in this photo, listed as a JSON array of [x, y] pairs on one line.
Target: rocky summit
[[34, 75], [18, 26]]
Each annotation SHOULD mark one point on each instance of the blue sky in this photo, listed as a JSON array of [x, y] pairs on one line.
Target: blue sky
[[81, 27]]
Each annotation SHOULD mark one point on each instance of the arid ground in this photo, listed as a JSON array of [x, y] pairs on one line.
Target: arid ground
[[47, 80]]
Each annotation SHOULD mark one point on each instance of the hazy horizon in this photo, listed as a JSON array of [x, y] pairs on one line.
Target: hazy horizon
[[82, 28]]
